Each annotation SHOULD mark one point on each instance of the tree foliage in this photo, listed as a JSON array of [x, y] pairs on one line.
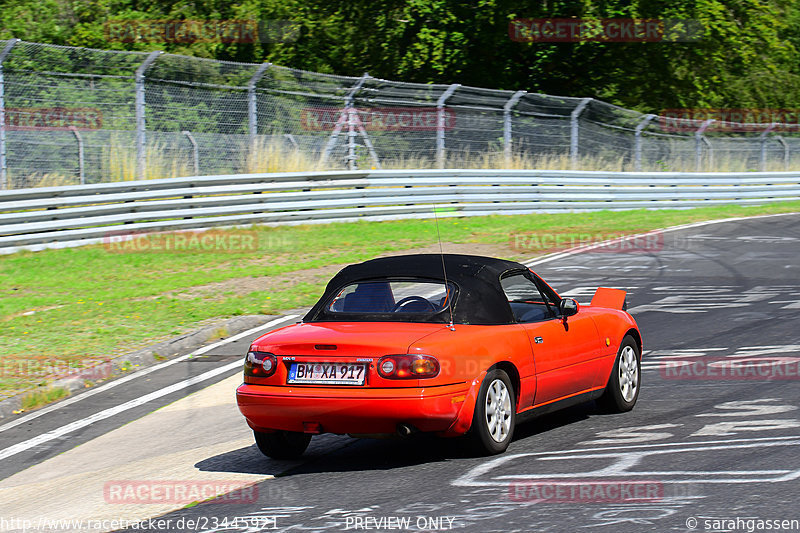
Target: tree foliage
[[747, 56]]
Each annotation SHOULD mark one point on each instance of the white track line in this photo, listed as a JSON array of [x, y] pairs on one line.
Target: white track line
[[143, 372], [111, 411]]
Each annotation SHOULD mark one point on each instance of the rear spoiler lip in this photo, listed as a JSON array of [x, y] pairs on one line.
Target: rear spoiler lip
[[610, 298]]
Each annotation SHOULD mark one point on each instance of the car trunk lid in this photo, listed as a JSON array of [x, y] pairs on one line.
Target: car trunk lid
[[345, 339]]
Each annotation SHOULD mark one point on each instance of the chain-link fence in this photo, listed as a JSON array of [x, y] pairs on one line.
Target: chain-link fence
[[74, 115]]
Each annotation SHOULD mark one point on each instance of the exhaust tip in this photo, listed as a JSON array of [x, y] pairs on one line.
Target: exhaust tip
[[404, 430]]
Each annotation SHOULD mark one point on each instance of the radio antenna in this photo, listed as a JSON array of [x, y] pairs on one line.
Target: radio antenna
[[444, 270]]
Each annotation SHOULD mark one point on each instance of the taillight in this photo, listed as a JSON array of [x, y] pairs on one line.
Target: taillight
[[260, 364], [409, 366]]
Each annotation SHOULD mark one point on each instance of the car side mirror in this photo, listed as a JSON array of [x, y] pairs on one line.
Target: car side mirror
[[568, 307]]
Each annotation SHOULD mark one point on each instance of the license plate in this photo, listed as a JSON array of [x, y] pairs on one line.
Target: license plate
[[327, 373]]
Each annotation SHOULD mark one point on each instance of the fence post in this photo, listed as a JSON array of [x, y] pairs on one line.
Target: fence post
[[3, 168], [507, 124], [352, 117], [346, 118], [195, 152], [785, 145], [141, 157], [79, 138], [762, 156], [699, 140], [252, 104], [637, 146], [574, 131], [440, 123], [292, 140]]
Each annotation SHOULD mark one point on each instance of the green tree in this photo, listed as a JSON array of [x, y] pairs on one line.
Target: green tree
[[747, 56]]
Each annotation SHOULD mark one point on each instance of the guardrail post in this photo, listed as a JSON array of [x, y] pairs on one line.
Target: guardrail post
[[785, 146], [195, 152], [507, 124], [574, 131], [79, 138], [441, 123], [637, 141], [252, 104], [699, 140], [762, 157], [141, 155], [3, 168]]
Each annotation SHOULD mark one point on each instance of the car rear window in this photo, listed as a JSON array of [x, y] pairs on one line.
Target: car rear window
[[392, 297]]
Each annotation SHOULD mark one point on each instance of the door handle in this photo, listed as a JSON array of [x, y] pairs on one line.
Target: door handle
[[538, 340]]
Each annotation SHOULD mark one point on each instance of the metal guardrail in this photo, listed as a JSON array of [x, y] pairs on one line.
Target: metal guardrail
[[55, 217]]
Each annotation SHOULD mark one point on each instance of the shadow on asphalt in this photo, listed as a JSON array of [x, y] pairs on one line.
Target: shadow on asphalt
[[335, 453]]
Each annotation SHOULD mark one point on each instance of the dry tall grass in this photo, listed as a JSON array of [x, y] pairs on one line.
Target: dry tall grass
[[274, 154], [118, 161], [270, 154], [51, 179], [497, 160]]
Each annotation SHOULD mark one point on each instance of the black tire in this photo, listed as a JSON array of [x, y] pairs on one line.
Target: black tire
[[625, 381], [489, 438], [282, 444]]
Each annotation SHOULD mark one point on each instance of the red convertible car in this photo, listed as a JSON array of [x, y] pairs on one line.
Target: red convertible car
[[448, 344]]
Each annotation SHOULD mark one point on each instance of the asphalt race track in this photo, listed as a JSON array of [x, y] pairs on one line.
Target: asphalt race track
[[711, 445]]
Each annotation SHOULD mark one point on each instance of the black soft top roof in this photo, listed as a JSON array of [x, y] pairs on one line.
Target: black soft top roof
[[480, 298]]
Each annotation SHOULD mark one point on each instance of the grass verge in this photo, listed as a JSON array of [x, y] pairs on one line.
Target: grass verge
[[43, 396], [73, 307]]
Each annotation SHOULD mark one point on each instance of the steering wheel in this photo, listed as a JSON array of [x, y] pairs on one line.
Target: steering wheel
[[409, 299]]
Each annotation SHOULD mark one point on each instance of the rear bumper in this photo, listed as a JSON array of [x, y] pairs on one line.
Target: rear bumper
[[362, 411]]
